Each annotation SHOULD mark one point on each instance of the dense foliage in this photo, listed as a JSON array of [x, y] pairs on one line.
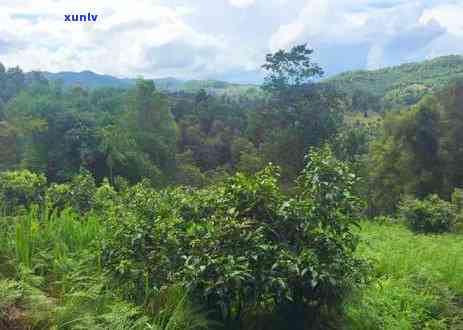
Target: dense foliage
[[177, 138], [431, 215], [21, 188], [138, 208], [400, 86], [242, 249], [244, 243], [418, 151]]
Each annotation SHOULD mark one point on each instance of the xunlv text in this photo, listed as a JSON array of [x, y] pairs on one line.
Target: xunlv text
[[81, 18]]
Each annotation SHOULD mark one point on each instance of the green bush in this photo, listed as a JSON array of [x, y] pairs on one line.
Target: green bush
[[78, 193], [21, 188], [430, 215], [190, 175], [242, 243], [105, 198], [457, 199], [457, 202]]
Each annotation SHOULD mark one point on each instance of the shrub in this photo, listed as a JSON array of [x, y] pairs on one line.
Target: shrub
[[457, 202], [190, 175], [105, 198], [431, 215], [78, 193], [21, 188], [457, 199], [243, 242]]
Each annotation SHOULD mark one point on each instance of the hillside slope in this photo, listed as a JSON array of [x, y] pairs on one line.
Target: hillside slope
[[401, 85], [398, 86], [88, 79]]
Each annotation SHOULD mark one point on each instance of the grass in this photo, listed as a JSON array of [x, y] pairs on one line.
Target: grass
[[416, 280], [51, 278]]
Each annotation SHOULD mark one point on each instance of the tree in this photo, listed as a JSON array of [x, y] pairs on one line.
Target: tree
[[153, 125], [452, 135], [116, 145], [245, 157], [299, 114], [8, 147], [12, 81], [406, 158], [292, 68], [21, 188]]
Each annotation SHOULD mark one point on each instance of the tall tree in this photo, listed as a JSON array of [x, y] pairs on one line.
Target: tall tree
[[8, 147], [289, 69], [452, 131], [299, 114], [153, 125], [406, 159]]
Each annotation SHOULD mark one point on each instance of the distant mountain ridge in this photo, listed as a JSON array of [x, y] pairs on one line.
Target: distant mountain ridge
[[401, 85], [89, 79]]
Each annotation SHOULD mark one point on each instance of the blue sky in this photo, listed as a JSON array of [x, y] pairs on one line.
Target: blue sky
[[224, 39]]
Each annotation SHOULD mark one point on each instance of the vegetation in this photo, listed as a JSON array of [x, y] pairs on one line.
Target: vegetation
[[431, 215], [247, 253], [374, 90], [417, 153], [88, 79], [416, 280], [304, 204], [400, 86]]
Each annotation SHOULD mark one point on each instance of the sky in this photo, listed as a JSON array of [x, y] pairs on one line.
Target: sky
[[223, 39]]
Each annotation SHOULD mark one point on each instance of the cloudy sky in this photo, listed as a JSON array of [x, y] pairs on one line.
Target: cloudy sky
[[223, 39]]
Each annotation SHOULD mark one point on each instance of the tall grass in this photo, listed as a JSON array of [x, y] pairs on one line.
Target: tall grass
[[7, 245], [55, 236], [59, 282], [417, 281], [399, 253], [24, 237], [174, 311]]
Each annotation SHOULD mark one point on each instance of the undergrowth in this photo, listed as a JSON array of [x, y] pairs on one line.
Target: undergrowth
[[416, 281], [51, 278]]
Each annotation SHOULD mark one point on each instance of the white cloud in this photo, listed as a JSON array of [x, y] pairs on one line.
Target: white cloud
[[119, 43], [242, 3], [448, 15], [206, 38], [393, 32]]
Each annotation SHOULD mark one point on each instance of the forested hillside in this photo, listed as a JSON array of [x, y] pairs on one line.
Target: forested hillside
[[88, 79], [377, 90], [291, 207], [399, 86]]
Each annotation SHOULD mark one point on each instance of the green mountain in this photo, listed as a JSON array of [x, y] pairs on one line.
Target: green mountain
[[402, 85], [89, 79], [397, 86]]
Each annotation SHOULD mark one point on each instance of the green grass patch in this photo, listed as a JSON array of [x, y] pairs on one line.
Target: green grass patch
[[416, 280]]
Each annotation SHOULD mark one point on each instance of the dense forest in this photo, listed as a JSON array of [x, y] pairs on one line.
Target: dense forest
[[304, 203]]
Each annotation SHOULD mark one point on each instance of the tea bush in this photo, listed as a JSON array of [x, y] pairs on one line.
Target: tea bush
[[242, 249], [78, 193], [21, 189], [430, 215], [243, 245]]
